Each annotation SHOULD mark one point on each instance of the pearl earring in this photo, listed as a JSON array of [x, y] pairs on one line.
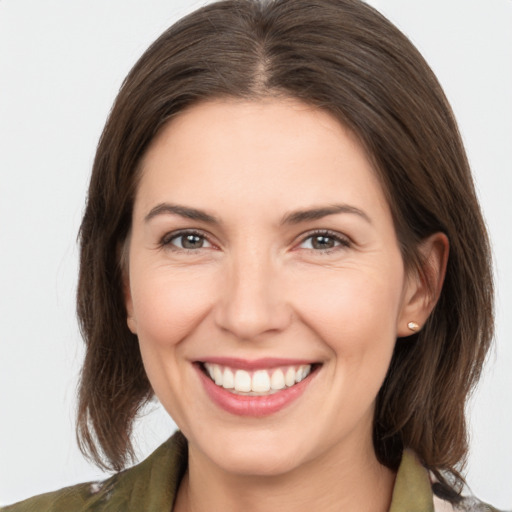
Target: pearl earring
[[413, 326]]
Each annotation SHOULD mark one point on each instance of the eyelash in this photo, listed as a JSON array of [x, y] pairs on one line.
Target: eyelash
[[167, 239], [342, 241]]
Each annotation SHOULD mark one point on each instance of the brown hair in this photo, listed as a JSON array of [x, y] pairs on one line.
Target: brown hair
[[344, 57]]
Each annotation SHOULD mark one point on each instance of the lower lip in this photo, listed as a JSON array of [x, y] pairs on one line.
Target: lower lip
[[255, 406]]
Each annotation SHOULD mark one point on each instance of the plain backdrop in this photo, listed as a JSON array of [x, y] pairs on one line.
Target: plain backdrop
[[61, 64]]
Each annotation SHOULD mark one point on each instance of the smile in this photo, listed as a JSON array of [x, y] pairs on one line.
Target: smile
[[259, 382], [255, 388]]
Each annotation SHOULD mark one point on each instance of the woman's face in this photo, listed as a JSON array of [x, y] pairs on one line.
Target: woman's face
[[263, 252]]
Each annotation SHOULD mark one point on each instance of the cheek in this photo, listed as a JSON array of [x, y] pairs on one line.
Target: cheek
[[354, 315], [354, 312], [168, 305]]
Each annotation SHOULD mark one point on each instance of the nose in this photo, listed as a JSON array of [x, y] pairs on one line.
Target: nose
[[253, 301]]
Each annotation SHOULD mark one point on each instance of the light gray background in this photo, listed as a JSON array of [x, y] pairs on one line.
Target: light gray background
[[61, 63]]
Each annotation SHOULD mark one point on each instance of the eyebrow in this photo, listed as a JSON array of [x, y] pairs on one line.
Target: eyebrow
[[182, 211], [319, 213], [291, 218]]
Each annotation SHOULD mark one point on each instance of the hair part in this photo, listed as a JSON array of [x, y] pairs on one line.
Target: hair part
[[341, 56]]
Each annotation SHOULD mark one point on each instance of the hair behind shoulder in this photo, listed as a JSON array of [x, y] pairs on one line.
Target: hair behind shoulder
[[344, 57]]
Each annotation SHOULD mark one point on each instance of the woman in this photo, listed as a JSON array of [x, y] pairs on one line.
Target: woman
[[276, 245]]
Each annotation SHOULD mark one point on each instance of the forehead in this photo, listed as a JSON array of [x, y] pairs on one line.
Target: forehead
[[277, 152]]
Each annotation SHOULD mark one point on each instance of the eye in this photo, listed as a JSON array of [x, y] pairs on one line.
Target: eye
[[186, 240], [324, 241]]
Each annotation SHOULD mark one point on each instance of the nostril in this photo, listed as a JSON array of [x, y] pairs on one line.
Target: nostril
[[248, 320]]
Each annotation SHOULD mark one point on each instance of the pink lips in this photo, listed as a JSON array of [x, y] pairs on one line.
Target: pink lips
[[255, 406]]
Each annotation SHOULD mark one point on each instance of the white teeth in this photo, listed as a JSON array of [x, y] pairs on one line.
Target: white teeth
[[259, 381], [228, 381], [217, 375], [277, 380], [242, 381], [302, 372], [289, 378]]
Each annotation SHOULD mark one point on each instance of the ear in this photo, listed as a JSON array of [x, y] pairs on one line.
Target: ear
[[125, 276], [130, 318], [423, 286]]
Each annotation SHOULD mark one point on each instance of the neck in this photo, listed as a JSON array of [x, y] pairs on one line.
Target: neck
[[339, 480]]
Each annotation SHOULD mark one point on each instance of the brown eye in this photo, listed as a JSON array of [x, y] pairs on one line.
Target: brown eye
[[187, 241], [324, 242]]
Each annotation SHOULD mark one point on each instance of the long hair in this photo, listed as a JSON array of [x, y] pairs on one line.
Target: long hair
[[344, 57]]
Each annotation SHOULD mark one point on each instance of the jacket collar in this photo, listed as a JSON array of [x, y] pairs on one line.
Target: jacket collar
[[413, 490]]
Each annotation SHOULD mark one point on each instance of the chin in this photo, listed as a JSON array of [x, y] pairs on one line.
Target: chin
[[253, 452], [256, 461]]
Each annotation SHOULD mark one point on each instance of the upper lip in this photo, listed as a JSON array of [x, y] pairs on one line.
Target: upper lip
[[256, 364]]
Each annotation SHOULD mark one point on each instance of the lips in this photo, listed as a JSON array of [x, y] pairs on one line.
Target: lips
[[255, 388]]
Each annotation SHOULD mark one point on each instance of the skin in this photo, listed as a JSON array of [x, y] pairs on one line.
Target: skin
[[260, 288]]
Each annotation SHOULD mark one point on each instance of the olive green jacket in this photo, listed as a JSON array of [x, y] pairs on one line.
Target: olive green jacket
[[151, 486]]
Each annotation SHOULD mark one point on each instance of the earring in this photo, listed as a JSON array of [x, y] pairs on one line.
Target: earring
[[413, 326]]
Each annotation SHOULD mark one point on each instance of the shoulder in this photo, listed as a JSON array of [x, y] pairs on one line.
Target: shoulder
[[416, 488], [69, 499], [472, 504], [150, 485], [467, 504]]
